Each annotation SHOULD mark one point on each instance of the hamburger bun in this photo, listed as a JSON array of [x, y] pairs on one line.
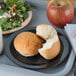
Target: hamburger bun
[[51, 48], [27, 44], [45, 31]]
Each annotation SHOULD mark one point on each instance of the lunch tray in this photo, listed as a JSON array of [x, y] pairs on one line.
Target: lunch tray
[[39, 17]]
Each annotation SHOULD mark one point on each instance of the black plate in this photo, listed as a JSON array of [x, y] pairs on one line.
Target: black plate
[[37, 61]]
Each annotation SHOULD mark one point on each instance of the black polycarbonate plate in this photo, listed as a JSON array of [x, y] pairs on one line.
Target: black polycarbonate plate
[[36, 62]]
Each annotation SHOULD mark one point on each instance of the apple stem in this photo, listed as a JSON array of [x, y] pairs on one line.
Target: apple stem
[[58, 5]]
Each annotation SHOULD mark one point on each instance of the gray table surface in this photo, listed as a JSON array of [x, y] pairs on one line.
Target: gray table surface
[[42, 7]]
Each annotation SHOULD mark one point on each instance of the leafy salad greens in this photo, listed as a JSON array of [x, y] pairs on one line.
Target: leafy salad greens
[[13, 13]]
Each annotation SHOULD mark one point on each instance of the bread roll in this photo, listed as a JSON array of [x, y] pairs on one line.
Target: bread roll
[[51, 48], [45, 31], [27, 44]]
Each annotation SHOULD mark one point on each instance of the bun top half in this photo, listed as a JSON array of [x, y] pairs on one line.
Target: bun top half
[[27, 43]]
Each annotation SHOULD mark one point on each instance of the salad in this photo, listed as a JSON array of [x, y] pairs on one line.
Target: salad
[[13, 13]]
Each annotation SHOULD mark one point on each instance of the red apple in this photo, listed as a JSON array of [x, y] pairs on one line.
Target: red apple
[[60, 12]]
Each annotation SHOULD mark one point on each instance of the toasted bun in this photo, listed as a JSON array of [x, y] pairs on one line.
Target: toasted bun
[[27, 44], [45, 31], [51, 48]]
